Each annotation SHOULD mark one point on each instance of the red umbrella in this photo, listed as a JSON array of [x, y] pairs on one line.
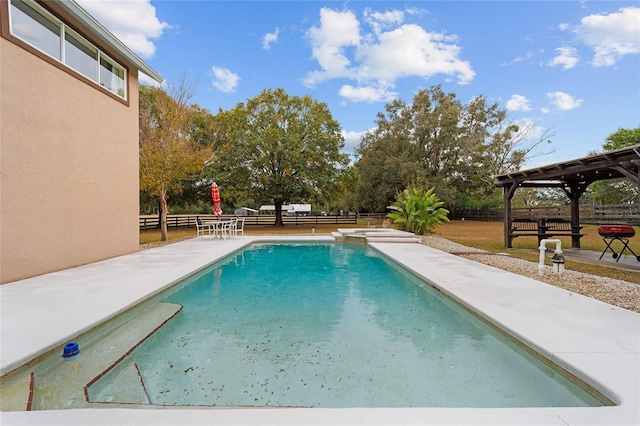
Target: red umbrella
[[215, 195]]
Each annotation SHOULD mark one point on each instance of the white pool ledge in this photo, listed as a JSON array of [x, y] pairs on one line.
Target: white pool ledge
[[594, 340]]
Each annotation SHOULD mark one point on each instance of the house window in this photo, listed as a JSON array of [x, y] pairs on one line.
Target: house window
[[112, 75], [80, 55], [37, 27], [41, 30]]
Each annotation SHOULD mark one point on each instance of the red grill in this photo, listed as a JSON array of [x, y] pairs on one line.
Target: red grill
[[616, 231], [622, 233]]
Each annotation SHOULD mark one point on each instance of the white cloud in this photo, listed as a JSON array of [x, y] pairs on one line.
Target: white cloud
[[133, 22], [518, 103], [269, 39], [376, 59], [567, 58], [382, 20], [529, 129], [224, 79], [611, 36], [145, 79], [366, 93], [563, 101], [530, 54], [337, 31], [526, 56], [416, 11], [411, 51], [352, 140]]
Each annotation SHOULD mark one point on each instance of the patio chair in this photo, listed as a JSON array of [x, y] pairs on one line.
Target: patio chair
[[201, 228], [237, 227], [230, 228]]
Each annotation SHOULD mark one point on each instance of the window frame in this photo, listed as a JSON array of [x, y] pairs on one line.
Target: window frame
[[48, 17], [103, 56], [7, 33], [86, 45]]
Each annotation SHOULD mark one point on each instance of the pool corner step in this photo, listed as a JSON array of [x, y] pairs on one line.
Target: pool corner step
[[70, 381], [18, 395]]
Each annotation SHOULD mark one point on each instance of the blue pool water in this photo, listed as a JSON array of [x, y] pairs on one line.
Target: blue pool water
[[332, 325]]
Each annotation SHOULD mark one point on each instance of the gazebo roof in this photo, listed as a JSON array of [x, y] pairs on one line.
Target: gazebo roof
[[620, 163]]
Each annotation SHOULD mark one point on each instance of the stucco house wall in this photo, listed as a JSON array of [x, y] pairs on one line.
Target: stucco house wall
[[69, 163]]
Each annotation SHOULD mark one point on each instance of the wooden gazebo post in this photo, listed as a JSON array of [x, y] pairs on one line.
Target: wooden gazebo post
[[575, 191], [507, 194]]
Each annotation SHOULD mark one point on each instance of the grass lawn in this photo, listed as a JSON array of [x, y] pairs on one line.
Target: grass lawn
[[484, 235], [490, 236]]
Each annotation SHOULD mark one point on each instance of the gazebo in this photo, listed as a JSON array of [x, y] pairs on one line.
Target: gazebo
[[573, 177]]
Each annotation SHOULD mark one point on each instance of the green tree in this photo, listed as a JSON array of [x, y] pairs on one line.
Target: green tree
[[278, 148], [168, 153], [622, 138], [194, 194], [418, 211], [441, 142], [616, 191]]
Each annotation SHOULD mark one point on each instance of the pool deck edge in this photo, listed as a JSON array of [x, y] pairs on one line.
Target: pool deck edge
[[596, 340]]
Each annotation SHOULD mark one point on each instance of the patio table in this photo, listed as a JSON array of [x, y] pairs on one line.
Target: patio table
[[220, 228]]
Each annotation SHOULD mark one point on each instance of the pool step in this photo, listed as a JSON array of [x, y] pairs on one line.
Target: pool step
[[67, 384], [17, 396], [375, 235], [393, 240], [123, 385]]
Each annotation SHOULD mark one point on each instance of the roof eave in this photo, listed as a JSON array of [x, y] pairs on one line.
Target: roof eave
[[77, 12]]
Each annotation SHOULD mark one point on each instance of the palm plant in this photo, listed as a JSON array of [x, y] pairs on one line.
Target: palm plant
[[418, 211]]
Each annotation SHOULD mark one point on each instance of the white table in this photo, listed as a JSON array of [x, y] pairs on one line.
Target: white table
[[220, 228]]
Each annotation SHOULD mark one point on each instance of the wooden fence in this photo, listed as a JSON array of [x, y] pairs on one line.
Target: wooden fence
[[180, 220], [589, 214]]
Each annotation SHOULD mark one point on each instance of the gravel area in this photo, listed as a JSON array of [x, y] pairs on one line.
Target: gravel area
[[615, 292]]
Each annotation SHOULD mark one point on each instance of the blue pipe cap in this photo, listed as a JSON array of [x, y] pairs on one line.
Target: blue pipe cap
[[71, 349]]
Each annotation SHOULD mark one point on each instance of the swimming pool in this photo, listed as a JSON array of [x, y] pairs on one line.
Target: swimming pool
[[570, 329], [329, 325]]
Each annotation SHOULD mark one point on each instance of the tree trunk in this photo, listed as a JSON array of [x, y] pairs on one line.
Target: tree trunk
[[163, 218], [278, 207], [159, 225]]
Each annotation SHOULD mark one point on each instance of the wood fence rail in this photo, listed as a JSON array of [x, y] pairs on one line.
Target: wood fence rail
[[189, 221], [590, 214]]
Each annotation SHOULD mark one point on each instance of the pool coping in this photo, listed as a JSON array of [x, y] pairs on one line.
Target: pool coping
[[597, 341]]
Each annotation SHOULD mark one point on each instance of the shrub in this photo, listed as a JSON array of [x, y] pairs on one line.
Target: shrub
[[418, 211]]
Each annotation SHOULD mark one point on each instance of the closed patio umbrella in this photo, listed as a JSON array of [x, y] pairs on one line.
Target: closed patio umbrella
[[215, 196]]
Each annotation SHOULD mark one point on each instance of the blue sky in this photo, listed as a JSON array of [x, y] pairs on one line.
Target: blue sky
[[568, 66]]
